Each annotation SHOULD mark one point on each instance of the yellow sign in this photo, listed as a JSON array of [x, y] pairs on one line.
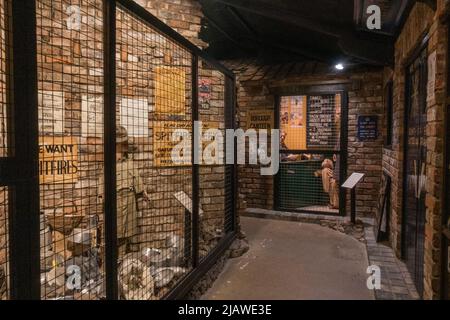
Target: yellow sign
[[162, 141], [260, 119], [58, 160], [170, 90]]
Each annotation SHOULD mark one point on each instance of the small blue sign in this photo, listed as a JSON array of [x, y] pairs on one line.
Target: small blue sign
[[367, 128]]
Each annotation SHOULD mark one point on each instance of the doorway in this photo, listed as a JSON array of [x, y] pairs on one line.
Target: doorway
[[415, 168], [311, 156]]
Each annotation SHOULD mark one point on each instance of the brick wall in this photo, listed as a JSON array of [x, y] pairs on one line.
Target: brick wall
[[365, 98], [184, 16], [422, 20]]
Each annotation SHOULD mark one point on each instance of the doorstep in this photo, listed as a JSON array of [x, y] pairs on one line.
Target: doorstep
[[292, 216]]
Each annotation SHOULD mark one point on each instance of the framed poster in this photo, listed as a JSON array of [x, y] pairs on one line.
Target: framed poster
[[170, 90], [296, 119], [134, 116], [51, 112], [92, 116], [58, 160]]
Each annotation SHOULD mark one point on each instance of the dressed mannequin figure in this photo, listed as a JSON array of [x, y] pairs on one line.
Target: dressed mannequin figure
[[129, 188]]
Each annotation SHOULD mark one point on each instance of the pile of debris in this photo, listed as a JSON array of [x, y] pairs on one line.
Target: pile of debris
[[356, 230], [144, 275]]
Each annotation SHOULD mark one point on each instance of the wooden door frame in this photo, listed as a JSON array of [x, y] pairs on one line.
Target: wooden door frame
[[407, 100], [317, 90]]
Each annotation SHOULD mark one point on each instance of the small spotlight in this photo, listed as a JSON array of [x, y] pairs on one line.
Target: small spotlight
[[339, 66]]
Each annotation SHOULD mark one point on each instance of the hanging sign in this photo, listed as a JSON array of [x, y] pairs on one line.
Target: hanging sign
[[51, 112], [58, 160], [163, 144], [170, 90], [134, 116], [92, 116], [367, 128], [260, 119]]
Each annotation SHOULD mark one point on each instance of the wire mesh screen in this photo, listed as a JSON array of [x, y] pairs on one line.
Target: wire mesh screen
[[154, 172], [5, 149], [310, 153], [70, 84], [211, 91]]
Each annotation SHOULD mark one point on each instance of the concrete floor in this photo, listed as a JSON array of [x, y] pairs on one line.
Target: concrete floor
[[292, 260]]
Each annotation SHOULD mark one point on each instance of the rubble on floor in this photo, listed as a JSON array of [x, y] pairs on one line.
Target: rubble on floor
[[355, 230]]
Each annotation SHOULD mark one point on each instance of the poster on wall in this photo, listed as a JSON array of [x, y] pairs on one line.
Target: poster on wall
[[296, 112], [58, 160], [92, 116], [260, 119], [431, 93], [163, 144], [134, 116], [321, 124], [204, 94], [170, 90], [51, 112]]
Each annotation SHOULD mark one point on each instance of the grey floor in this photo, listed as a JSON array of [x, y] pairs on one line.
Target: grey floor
[[292, 260]]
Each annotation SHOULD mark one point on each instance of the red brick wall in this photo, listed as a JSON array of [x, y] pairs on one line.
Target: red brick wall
[[422, 20]]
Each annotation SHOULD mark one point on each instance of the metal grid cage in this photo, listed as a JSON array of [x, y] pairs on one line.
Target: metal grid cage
[[153, 101], [310, 155], [70, 97], [116, 215]]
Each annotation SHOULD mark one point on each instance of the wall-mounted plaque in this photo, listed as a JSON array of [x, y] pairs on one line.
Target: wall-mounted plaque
[[163, 144], [170, 90], [92, 116], [58, 159], [367, 128], [134, 116], [51, 112]]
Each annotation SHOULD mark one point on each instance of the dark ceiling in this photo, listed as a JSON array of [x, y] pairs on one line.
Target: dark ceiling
[[278, 31]]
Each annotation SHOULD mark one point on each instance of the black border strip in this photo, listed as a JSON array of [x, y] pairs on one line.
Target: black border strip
[[110, 196]]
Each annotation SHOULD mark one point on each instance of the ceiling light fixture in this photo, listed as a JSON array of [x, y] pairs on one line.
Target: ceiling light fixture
[[339, 66]]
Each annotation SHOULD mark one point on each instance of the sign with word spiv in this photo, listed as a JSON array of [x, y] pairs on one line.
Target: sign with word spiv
[[58, 160]]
